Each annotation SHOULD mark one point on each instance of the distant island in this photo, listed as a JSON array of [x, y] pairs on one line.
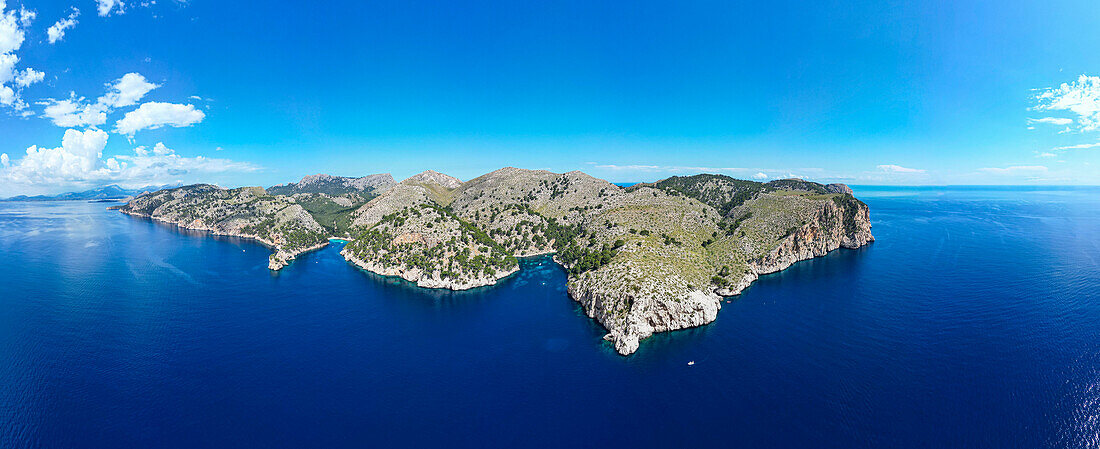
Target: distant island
[[648, 258], [110, 192]]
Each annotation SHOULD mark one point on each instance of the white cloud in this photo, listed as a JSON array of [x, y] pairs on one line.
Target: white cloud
[[126, 91], [26, 16], [1051, 120], [760, 175], [1081, 97], [1076, 147], [153, 115], [8, 97], [75, 159], [74, 112], [633, 167], [28, 76], [164, 164], [11, 31], [79, 161], [899, 169], [106, 7], [12, 35], [1015, 170], [7, 67], [57, 30], [1046, 155]]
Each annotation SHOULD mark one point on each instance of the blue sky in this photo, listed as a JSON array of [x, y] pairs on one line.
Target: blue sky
[[240, 93]]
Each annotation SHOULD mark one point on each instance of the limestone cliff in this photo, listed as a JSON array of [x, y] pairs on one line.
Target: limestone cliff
[[651, 258], [651, 287]]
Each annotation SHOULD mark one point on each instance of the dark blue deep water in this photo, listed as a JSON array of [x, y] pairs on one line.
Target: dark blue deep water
[[973, 321]]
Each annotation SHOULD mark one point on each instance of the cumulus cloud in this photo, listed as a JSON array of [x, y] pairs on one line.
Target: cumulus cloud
[[1015, 170], [899, 169], [107, 7], [79, 161], [73, 112], [127, 91], [28, 76], [163, 164], [57, 30], [76, 112], [26, 16], [76, 158], [11, 31], [12, 35], [7, 67], [1081, 97], [153, 115], [760, 175]]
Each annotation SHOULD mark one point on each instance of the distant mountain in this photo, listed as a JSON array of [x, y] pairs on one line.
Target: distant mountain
[[110, 192], [336, 185]]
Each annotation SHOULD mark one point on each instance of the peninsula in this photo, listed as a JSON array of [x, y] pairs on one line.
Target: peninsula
[[648, 258]]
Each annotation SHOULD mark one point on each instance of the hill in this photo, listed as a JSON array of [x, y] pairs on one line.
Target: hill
[[647, 258], [276, 221]]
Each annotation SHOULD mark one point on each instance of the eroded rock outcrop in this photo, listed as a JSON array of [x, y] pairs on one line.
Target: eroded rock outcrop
[[678, 281]]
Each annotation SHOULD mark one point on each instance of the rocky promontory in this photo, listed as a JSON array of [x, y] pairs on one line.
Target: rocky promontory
[[277, 222], [649, 258]]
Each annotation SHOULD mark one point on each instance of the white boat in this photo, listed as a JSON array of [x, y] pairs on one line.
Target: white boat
[[691, 363]]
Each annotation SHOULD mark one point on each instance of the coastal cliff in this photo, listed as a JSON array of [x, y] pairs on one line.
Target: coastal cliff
[[763, 228], [832, 226], [650, 258]]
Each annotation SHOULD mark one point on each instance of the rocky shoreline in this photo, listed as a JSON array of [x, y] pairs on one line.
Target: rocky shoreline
[[640, 260], [646, 316], [282, 257], [649, 315], [425, 280], [277, 261], [698, 308]]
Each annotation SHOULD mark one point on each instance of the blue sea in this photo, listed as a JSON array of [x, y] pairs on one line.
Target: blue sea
[[972, 321]]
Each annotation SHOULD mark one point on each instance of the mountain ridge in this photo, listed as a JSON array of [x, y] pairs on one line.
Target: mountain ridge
[[111, 191], [648, 258]]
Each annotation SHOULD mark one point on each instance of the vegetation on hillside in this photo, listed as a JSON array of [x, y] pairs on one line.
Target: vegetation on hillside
[[651, 253], [333, 216], [431, 238], [718, 191]]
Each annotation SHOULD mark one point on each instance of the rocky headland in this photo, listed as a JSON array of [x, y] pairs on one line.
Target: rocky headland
[[649, 258]]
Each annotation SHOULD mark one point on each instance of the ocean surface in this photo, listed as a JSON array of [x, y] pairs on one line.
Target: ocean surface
[[973, 321]]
